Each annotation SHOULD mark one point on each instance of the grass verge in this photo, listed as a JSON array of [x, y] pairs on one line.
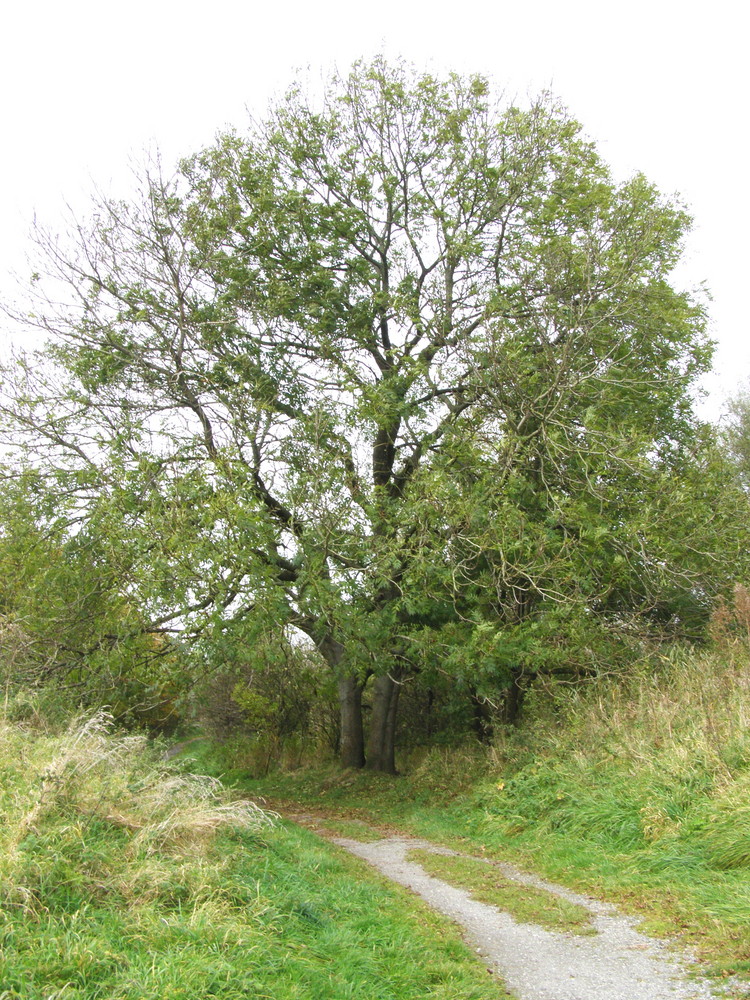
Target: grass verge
[[123, 878], [353, 829], [525, 903]]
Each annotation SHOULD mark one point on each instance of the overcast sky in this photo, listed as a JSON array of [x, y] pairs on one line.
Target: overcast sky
[[661, 86]]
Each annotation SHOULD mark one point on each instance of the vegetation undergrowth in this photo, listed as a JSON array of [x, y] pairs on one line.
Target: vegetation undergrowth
[[124, 877], [635, 787]]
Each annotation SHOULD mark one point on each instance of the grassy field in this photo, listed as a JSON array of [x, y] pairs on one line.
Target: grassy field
[[123, 878], [635, 789]]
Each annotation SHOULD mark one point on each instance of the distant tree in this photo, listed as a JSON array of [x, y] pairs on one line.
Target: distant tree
[[402, 372], [737, 432]]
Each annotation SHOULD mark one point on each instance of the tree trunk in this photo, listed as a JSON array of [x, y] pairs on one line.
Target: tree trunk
[[481, 718], [352, 733], [381, 745], [352, 744], [514, 695]]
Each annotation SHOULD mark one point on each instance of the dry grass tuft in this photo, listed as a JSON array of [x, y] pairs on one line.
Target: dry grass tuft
[[92, 773]]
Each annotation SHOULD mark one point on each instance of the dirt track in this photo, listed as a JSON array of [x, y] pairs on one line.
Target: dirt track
[[617, 963]]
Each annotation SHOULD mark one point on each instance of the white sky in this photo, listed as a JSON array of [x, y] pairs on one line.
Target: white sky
[[662, 87]]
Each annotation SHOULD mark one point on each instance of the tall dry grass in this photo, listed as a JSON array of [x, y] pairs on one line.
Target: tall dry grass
[[98, 812], [656, 760]]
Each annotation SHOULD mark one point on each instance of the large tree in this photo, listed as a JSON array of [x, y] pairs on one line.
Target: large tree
[[383, 369]]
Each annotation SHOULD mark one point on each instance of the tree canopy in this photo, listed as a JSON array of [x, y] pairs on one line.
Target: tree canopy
[[402, 371]]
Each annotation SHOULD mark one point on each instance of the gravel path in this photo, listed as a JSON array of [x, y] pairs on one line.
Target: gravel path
[[618, 963]]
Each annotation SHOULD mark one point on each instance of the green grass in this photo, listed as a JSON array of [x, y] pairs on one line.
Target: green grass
[[634, 789], [352, 829], [122, 878], [127, 880], [525, 903]]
